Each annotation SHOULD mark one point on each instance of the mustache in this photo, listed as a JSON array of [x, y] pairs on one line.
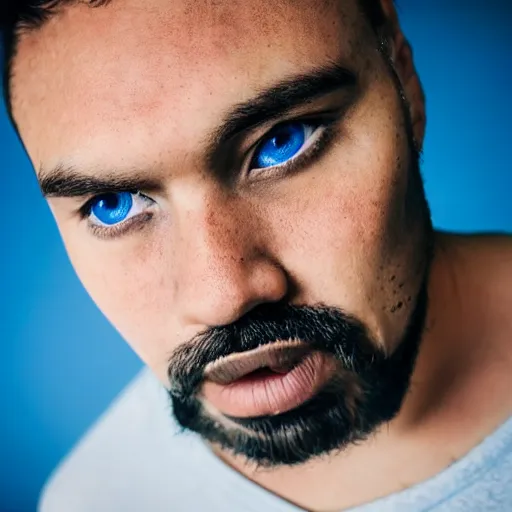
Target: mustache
[[322, 328]]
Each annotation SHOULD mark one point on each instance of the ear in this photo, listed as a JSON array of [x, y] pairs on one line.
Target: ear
[[402, 58]]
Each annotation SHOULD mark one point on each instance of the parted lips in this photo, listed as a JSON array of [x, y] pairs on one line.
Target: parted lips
[[279, 357]]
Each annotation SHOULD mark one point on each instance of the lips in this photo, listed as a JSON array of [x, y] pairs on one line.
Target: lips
[[269, 380], [279, 357]]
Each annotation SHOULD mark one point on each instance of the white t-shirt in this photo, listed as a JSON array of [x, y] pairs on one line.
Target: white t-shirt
[[136, 459]]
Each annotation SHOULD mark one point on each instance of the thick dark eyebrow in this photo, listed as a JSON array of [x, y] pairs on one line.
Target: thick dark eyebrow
[[268, 105], [67, 181], [275, 102]]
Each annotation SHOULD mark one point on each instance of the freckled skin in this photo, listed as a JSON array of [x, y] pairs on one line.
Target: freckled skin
[[140, 85]]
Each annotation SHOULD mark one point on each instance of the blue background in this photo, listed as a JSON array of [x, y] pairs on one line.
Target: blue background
[[61, 363]]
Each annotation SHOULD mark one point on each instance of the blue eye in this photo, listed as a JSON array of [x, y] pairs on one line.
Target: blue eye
[[113, 214], [110, 209], [282, 144]]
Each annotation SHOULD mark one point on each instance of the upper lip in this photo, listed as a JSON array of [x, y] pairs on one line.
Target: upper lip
[[280, 356]]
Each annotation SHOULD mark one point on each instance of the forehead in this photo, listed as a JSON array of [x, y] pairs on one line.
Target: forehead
[[92, 78]]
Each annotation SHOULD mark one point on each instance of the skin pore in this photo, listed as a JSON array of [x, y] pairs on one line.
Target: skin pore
[[138, 92]]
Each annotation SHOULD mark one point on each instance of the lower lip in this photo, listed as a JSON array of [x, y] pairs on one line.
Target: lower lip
[[268, 393]]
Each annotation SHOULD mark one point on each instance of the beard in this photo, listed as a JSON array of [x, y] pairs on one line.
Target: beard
[[366, 391]]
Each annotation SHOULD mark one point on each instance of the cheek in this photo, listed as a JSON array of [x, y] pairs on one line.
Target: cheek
[[345, 253], [351, 204], [354, 247], [345, 229], [127, 281]]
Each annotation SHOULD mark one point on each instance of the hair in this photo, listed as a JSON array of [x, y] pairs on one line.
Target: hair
[[19, 16]]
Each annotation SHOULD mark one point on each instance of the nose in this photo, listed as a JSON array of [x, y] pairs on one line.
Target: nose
[[224, 270]]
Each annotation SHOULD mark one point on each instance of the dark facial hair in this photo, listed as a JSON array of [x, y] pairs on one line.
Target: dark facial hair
[[367, 391]]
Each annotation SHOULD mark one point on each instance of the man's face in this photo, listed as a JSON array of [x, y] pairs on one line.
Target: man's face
[[223, 200]]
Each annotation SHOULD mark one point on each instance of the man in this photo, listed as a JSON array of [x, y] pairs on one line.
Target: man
[[238, 188]]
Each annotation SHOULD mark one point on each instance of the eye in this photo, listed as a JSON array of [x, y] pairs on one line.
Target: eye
[[109, 214], [283, 144], [111, 209]]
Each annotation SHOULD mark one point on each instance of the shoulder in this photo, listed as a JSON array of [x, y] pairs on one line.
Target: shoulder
[[127, 461], [486, 264], [483, 282], [496, 247], [480, 275]]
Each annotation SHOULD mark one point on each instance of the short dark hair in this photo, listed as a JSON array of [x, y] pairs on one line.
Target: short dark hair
[[21, 15]]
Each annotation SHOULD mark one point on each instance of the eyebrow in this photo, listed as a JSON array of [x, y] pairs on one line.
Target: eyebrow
[[268, 105], [67, 181], [279, 99]]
